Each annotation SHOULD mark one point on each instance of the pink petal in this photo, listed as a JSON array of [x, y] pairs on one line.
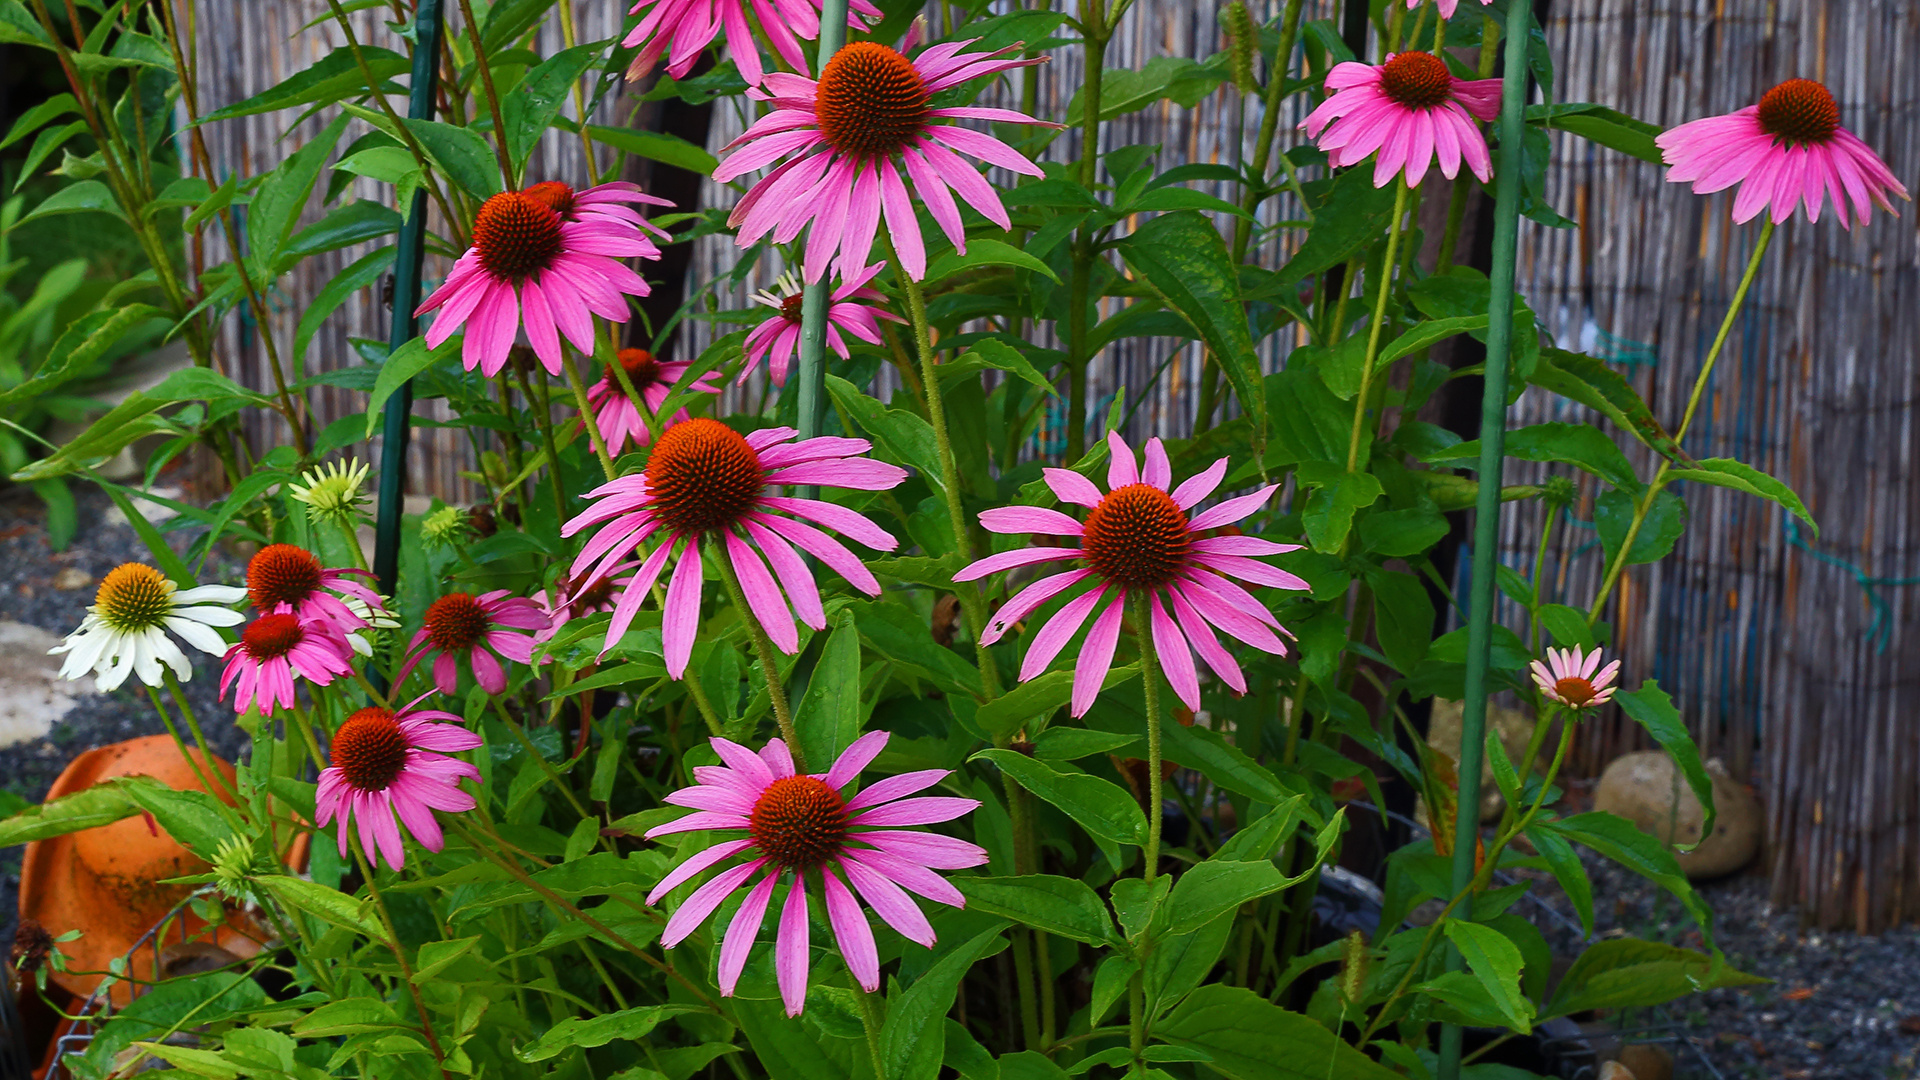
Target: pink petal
[[694, 911], [855, 758], [790, 952], [1096, 656], [850, 929], [742, 931]]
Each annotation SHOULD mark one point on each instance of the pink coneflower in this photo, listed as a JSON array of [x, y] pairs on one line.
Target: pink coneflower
[[1787, 151], [613, 411], [381, 764], [686, 27], [705, 481], [565, 602], [1446, 9], [546, 259], [272, 650], [803, 824], [850, 308], [870, 107], [285, 579], [1568, 678], [478, 626], [1410, 109], [1138, 540]]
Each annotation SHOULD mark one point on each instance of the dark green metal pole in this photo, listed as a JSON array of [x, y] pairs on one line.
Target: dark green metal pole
[[814, 299], [397, 427], [1486, 520]]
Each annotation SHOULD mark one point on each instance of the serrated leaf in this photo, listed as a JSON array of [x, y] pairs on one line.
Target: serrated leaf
[[1738, 475]]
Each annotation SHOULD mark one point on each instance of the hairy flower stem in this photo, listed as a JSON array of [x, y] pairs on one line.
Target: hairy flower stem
[[1387, 266], [972, 599], [1645, 506], [1150, 690], [870, 1020], [763, 648], [399, 953], [493, 97]]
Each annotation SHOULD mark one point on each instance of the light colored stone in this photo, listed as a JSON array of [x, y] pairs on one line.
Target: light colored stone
[[72, 578], [1646, 789], [1613, 1070], [1515, 727], [32, 694], [154, 512], [1646, 1061]]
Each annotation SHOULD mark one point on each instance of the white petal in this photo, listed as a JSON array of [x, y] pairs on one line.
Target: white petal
[[163, 648], [212, 616], [146, 661], [217, 594], [198, 635]]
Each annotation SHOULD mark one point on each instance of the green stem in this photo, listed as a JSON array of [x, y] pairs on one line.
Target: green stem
[[586, 417], [543, 419], [493, 97], [399, 954], [1645, 506], [769, 658], [1150, 690], [870, 1020], [1387, 267], [520, 736]]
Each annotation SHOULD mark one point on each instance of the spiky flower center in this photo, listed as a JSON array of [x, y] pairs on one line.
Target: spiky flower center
[[641, 368], [553, 195], [134, 596], [1417, 80], [516, 235], [369, 750], [703, 476], [592, 598], [456, 622], [1575, 691], [1137, 537], [799, 822], [791, 306], [1800, 111], [871, 100], [282, 574], [271, 636]]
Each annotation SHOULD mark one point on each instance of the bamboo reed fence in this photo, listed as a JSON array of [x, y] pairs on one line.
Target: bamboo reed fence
[[1795, 659]]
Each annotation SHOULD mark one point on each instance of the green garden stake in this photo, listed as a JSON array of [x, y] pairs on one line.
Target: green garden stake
[[813, 299], [1486, 522], [396, 426]]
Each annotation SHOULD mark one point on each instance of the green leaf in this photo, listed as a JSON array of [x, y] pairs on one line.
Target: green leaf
[[1613, 515], [657, 146], [408, 360], [1335, 496], [78, 348], [1567, 625], [1427, 334], [790, 1049], [631, 1025], [1403, 617], [1581, 445], [1125, 90], [1496, 962], [363, 272], [1248, 1037], [533, 105], [986, 253], [904, 437], [1182, 257], [1597, 123], [1629, 973], [1617, 838], [1651, 708], [1063, 906], [1260, 839], [205, 384], [895, 631], [1728, 473], [998, 355], [1208, 753], [1401, 533], [1036, 699], [101, 804], [1072, 744], [37, 117], [328, 905], [1211, 889], [335, 77], [828, 717], [354, 223], [76, 198], [192, 818], [913, 1039], [1309, 422], [282, 197], [1102, 807], [1110, 982], [123, 425], [347, 1016], [1180, 962], [1592, 383], [1350, 216], [461, 153], [1568, 870]]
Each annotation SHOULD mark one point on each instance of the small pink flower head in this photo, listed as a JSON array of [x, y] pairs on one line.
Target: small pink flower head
[[806, 825], [849, 139], [853, 307], [381, 764], [1568, 678], [564, 602], [687, 27], [620, 423], [272, 650], [1446, 7], [476, 626], [1409, 109], [544, 260], [1138, 540], [1786, 152], [705, 482], [285, 579]]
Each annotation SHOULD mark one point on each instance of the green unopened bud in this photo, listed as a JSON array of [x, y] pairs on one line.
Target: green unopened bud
[[1559, 491], [235, 864], [1354, 959], [1243, 40], [447, 525]]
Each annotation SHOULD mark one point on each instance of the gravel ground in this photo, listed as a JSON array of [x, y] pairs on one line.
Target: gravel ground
[[28, 593]]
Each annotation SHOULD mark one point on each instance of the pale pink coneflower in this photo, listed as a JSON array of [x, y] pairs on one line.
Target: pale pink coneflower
[[1138, 540], [1411, 110], [853, 307], [289, 580], [802, 825], [272, 650], [477, 627], [614, 413], [546, 259], [1786, 152], [564, 603], [380, 764], [868, 119], [705, 481], [1568, 677], [682, 29], [1446, 7]]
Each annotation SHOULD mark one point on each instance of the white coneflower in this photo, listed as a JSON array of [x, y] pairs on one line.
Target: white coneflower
[[334, 490], [125, 629]]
